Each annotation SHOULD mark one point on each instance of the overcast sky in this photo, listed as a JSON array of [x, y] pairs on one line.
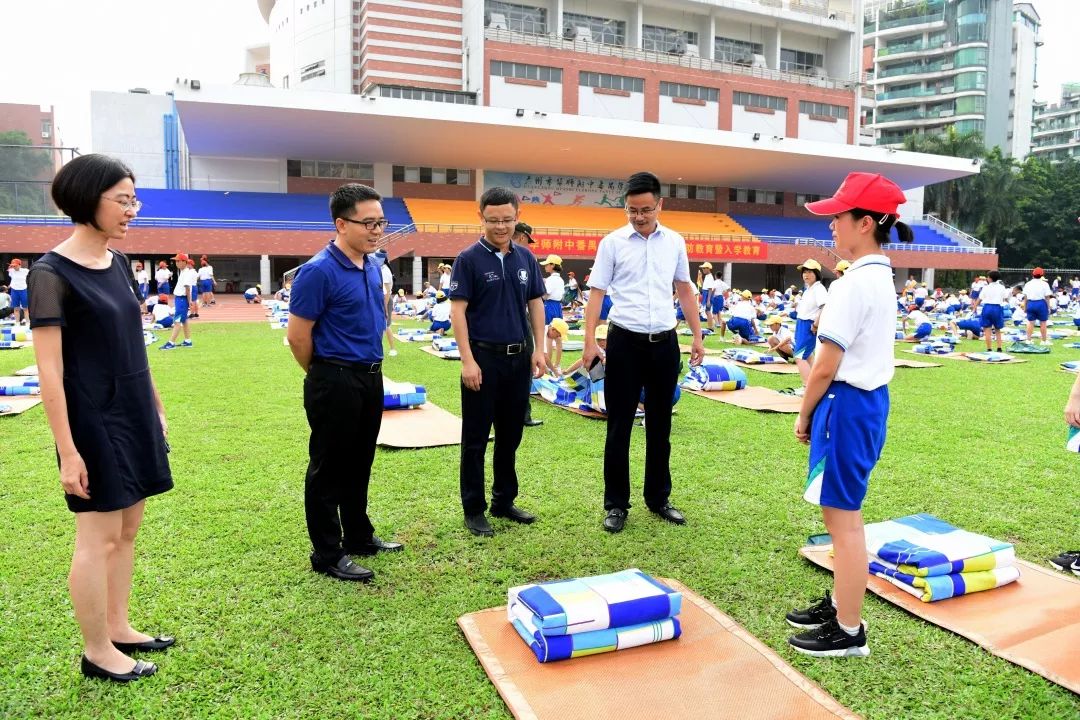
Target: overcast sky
[[53, 52]]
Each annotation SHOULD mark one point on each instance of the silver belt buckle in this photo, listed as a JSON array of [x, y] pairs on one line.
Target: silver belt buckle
[[375, 367], [514, 348], [657, 337]]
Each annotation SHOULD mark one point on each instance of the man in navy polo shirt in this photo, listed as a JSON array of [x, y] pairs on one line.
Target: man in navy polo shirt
[[336, 322], [492, 283]]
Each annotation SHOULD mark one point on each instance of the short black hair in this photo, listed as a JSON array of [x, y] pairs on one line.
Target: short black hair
[[643, 182], [498, 196], [343, 200], [994, 275], [77, 188], [883, 225]]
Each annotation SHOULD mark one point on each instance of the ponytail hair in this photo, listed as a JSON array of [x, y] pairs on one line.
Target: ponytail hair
[[883, 225]]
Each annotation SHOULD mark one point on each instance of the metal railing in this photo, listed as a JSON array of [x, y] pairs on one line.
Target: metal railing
[[663, 58], [909, 247], [951, 232]]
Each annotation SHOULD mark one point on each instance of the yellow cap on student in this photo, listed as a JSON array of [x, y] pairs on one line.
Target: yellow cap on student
[[774, 320], [707, 265], [842, 266], [747, 294], [559, 325], [440, 295], [810, 264], [552, 260]]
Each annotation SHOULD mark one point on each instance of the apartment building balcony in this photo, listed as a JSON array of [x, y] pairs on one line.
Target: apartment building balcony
[[916, 96], [1043, 131]]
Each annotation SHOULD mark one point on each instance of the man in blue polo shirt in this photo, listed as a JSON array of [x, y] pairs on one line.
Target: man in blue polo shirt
[[492, 283], [336, 322]]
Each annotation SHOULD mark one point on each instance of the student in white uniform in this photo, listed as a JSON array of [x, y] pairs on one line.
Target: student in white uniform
[[743, 321], [161, 312], [143, 279], [206, 282], [782, 340], [707, 283], [186, 279], [807, 312], [920, 325], [846, 404], [1037, 293], [991, 299], [388, 297], [163, 277], [20, 297], [440, 315], [554, 288]]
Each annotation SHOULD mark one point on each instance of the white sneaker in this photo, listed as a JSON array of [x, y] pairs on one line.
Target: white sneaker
[[393, 353], [1046, 342]]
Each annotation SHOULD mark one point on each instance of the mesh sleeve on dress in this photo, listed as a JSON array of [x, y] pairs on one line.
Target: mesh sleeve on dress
[[47, 291]]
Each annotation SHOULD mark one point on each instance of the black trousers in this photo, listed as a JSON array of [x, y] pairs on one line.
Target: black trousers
[[344, 411], [635, 364], [501, 400]]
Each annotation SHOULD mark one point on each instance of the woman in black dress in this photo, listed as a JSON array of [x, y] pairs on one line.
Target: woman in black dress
[[105, 414]]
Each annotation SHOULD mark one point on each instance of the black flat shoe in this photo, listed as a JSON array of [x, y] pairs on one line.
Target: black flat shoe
[[671, 513], [529, 422], [514, 513], [478, 525], [615, 520], [157, 644], [376, 546], [142, 669], [343, 569]]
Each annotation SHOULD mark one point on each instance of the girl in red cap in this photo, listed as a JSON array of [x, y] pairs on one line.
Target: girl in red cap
[[846, 403], [163, 276]]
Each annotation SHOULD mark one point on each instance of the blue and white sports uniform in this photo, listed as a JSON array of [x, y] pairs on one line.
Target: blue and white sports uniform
[[848, 426], [1036, 291], [971, 325], [742, 313], [554, 288], [807, 312], [206, 279], [992, 296], [440, 316], [20, 297]]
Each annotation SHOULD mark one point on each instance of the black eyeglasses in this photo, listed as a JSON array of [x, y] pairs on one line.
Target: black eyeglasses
[[370, 224]]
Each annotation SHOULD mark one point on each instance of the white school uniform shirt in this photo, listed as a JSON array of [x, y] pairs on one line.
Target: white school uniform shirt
[[812, 300], [917, 318], [744, 309], [441, 311], [641, 272], [920, 292], [1036, 289], [162, 275], [5, 300], [444, 281], [18, 278], [142, 278], [708, 283], [930, 304], [783, 334], [161, 311], [387, 280], [862, 321], [1075, 283], [978, 285], [554, 287], [185, 282], [206, 272]]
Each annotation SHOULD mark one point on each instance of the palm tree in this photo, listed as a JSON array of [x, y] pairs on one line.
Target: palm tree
[[950, 199]]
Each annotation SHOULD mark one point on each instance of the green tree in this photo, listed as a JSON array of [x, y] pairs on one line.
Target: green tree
[[995, 196], [1047, 232], [952, 199], [24, 174]]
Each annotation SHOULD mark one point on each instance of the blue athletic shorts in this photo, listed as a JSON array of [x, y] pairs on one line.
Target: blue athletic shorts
[[165, 322], [923, 330], [678, 312], [740, 326], [919, 301], [973, 325], [164, 288], [180, 309], [805, 341], [992, 317], [1076, 322], [1037, 310], [1075, 292], [552, 310], [19, 299], [206, 286], [144, 291], [439, 325], [605, 307], [717, 304], [847, 434], [974, 294]]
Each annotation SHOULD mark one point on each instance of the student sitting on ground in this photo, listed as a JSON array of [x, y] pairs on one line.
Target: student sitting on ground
[[253, 295], [440, 315], [601, 340], [968, 328], [282, 295], [161, 312], [920, 323], [5, 302], [782, 340], [743, 322], [556, 332]]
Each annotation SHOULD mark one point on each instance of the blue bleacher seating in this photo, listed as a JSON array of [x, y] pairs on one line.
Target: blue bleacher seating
[[251, 206], [764, 227]]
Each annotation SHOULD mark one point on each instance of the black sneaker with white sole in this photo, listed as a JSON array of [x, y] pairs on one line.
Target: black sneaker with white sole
[[831, 640], [1066, 561], [814, 616]]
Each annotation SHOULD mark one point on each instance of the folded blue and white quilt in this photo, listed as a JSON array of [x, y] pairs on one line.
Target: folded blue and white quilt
[[926, 543], [943, 587], [548, 648]]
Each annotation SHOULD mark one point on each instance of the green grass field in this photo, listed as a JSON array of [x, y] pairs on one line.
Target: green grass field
[[222, 560]]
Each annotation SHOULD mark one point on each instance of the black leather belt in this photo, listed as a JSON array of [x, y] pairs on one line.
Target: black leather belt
[[510, 349], [648, 337], [358, 366]]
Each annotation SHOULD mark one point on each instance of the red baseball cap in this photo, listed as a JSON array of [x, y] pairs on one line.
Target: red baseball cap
[[181, 257], [1038, 272], [866, 191], [16, 263]]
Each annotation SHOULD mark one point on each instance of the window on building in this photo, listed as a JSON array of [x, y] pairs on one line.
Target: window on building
[[601, 30], [690, 92], [967, 57], [312, 71], [758, 197], [800, 61], [736, 51], [360, 172], [666, 40], [431, 176], [520, 18], [502, 68], [970, 81], [611, 82], [803, 198], [823, 109], [46, 128], [754, 100], [285, 82], [411, 93], [689, 192]]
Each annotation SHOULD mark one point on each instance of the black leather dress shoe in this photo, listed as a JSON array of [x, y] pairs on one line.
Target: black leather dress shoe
[[157, 644], [671, 513], [376, 546], [615, 520], [514, 513], [478, 525], [343, 569], [529, 422], [142, 669]]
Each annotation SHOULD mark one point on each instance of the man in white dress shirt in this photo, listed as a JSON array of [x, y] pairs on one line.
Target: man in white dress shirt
[[640, 261]]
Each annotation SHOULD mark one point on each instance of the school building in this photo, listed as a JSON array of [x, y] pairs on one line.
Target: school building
[[745, 110]]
